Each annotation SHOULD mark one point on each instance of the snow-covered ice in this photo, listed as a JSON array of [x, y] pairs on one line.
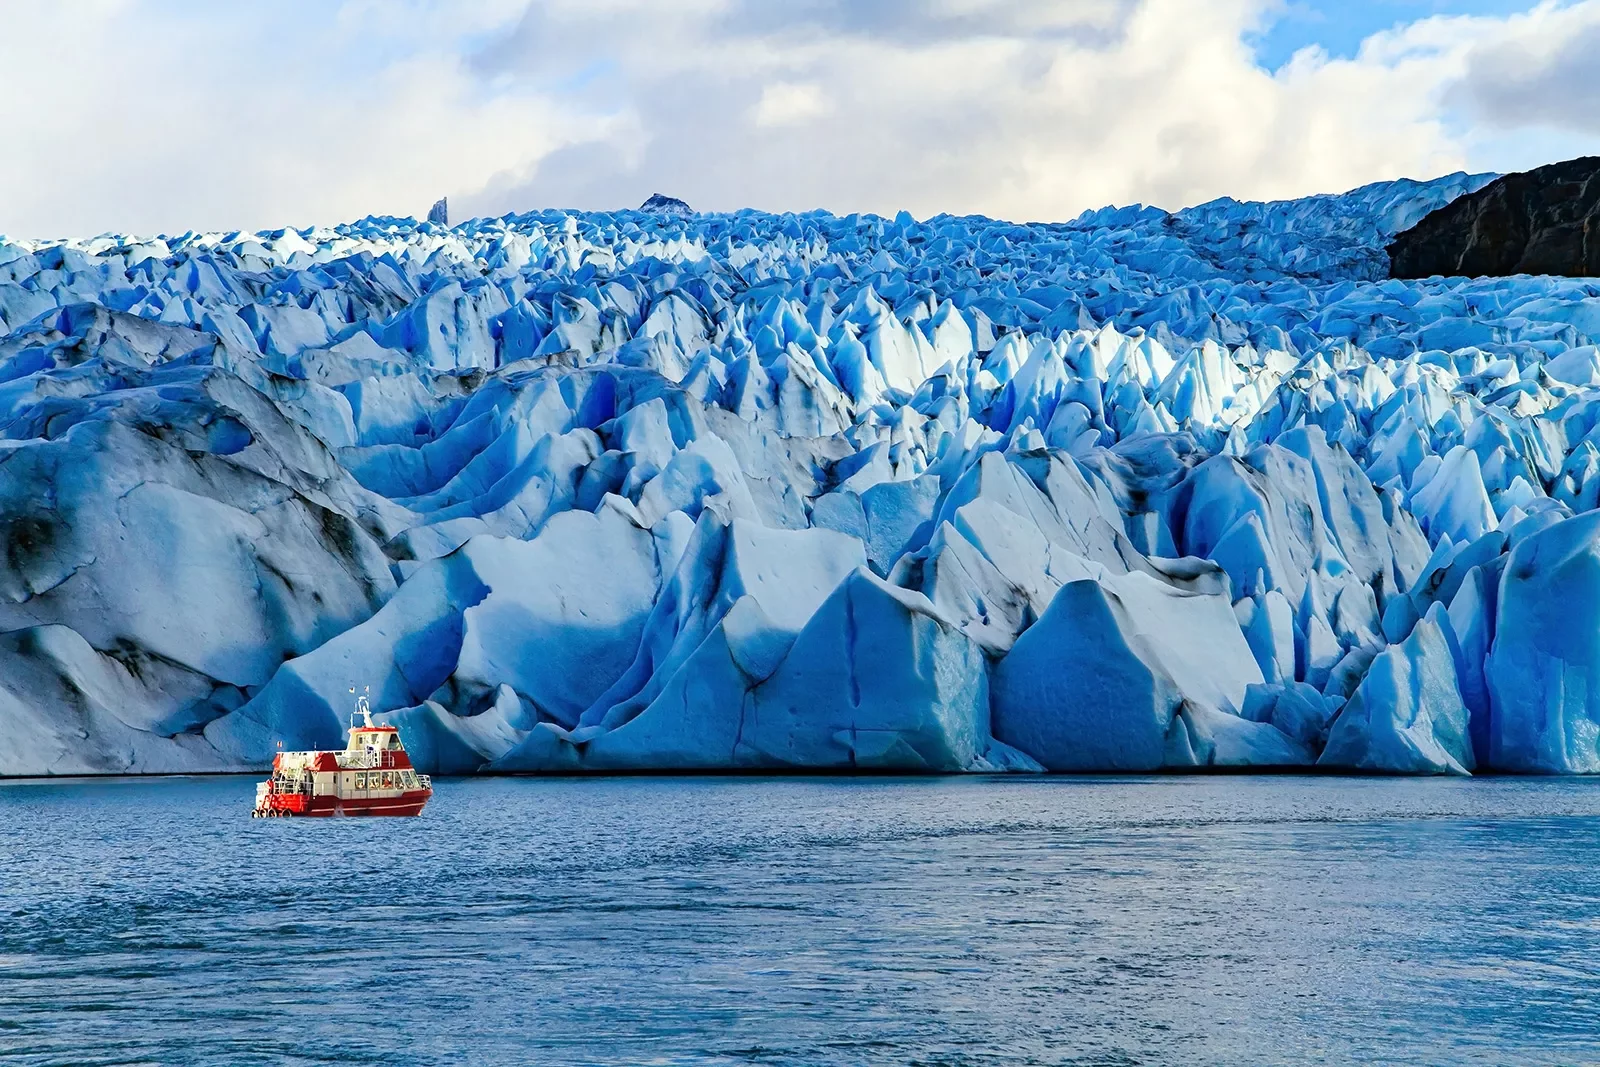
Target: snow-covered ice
[[662, 490]]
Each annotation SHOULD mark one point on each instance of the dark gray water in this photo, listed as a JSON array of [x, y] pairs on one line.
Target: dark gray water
[[811, 922]]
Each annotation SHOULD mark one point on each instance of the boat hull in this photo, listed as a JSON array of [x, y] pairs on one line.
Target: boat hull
[[295, 805]]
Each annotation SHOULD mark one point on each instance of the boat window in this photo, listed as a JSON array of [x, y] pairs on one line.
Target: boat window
[[361, 779], [388, 780]]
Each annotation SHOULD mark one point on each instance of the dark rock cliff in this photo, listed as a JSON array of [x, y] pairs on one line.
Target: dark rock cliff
[[662, 204], [1542, 221]]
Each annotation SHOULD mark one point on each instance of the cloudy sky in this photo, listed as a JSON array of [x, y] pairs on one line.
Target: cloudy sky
[[167, 115]]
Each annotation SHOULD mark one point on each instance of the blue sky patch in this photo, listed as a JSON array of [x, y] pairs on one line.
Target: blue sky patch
[[1340, 26]]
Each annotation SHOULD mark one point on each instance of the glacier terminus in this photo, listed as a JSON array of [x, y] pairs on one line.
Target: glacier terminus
[[657, 490]]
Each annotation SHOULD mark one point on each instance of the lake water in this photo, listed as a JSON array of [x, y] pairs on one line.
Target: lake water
[[1231, 920]]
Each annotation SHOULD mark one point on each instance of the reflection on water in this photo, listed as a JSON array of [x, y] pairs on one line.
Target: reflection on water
[[1242, 920]]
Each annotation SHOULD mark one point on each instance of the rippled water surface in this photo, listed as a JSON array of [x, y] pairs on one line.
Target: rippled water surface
[[816, 921]]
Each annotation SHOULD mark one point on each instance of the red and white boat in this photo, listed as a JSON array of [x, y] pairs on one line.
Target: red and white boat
[[372, 776]]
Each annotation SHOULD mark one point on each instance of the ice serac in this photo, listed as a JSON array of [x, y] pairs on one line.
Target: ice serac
[[877, 680], [1130, 674], [70, 709], [1544, 668], [1407, 717], [551, 620], [462, 744], [663, 490], [739, 596]]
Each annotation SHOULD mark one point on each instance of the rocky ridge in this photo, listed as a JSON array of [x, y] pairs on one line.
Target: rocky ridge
[[1543, 221]]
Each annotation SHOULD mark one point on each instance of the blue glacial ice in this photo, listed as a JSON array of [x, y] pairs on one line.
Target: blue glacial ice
[[661, 490]]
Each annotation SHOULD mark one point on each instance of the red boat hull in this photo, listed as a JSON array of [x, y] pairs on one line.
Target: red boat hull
[[324, 806]]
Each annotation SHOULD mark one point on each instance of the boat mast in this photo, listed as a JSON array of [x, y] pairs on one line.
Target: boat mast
[[363, 707]]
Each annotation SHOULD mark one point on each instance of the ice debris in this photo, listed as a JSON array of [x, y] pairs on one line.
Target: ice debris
[[655, 490]]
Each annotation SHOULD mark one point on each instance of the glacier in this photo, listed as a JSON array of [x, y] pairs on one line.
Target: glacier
[[654, 490]]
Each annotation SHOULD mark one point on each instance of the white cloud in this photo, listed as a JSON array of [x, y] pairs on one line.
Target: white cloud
[[138, 116], [1538, 70], [785, 104], [1071, 106], [169, 114]]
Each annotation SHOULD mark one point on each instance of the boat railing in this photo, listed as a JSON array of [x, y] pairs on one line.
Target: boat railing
[[425, 781]]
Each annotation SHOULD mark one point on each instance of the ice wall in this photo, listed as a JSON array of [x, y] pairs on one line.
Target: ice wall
[[597, 492]]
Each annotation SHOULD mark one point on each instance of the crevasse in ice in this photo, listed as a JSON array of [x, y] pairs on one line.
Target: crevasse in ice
[[597, 492]]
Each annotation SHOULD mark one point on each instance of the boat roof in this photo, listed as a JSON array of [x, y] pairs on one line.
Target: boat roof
[[375, 729]]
